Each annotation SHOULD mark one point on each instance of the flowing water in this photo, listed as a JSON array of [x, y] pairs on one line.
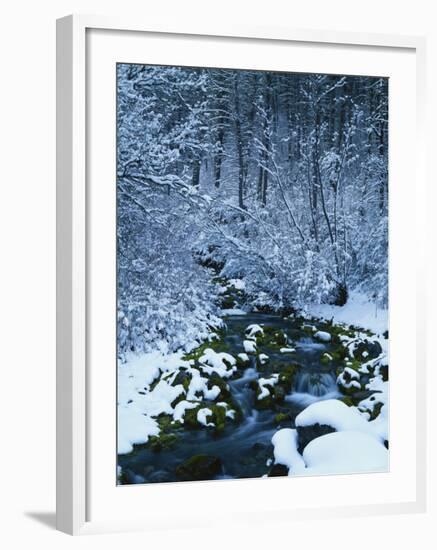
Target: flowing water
[[244, 448]]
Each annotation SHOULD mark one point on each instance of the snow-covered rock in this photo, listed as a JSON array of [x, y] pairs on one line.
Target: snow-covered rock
[[349, 379], [181, 407], [202, 416], [249, 346], [345, 452], [252, 331], [230, 413], [334, 413], [322, 336], [285, 451], [220, 363], [263, 383]]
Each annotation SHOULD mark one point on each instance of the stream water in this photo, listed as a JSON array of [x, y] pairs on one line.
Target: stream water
[[244, 448]]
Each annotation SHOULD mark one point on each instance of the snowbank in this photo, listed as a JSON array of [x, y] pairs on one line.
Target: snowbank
[[334, 413], [133, 428], [358, 311], [345, 452], [285, 451]]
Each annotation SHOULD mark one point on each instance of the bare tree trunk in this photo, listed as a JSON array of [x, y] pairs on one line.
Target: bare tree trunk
[[196, 173], [239, 145]]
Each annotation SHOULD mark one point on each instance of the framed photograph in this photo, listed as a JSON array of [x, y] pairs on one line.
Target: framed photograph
[[240, 275]]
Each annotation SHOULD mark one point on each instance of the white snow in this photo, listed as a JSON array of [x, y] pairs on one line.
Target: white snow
[[133, 428], [354, 379], [139, 371], [332, 412], [322, 336], [181, 407], [238, 284], [263, 358], [220, 363], [199, 385], [358, 311], [345, 452], [285, 451], [249, 346], [202, 415], [263, 382], [287, 350], [230, 413], [253, 330]]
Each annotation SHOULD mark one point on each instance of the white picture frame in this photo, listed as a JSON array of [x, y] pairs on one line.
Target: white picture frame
[[73, 261]]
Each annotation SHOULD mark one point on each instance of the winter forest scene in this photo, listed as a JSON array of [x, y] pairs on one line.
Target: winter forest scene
[[252, 274]]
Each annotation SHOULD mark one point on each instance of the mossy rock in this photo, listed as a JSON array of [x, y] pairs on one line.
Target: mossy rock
[[199, 467], [339, 353], [217, 344], [162, 442], [326, 359], [265, 403], [190, 418], [287, 375], [167, 424], [215, 380], [217, 417], [242, 364], [272, 338], [279, 393]]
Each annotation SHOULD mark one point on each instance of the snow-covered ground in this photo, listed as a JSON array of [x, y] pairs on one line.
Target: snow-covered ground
[[358, 311]]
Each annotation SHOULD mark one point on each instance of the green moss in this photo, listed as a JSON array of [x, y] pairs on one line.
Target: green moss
[[242, 363], [199, 467], [282, 418], [264, 404], [286, 376], [217, 344], [190, 418], [216, 380], [162, 442], [217, 417], [339, 353], [272, 338]]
